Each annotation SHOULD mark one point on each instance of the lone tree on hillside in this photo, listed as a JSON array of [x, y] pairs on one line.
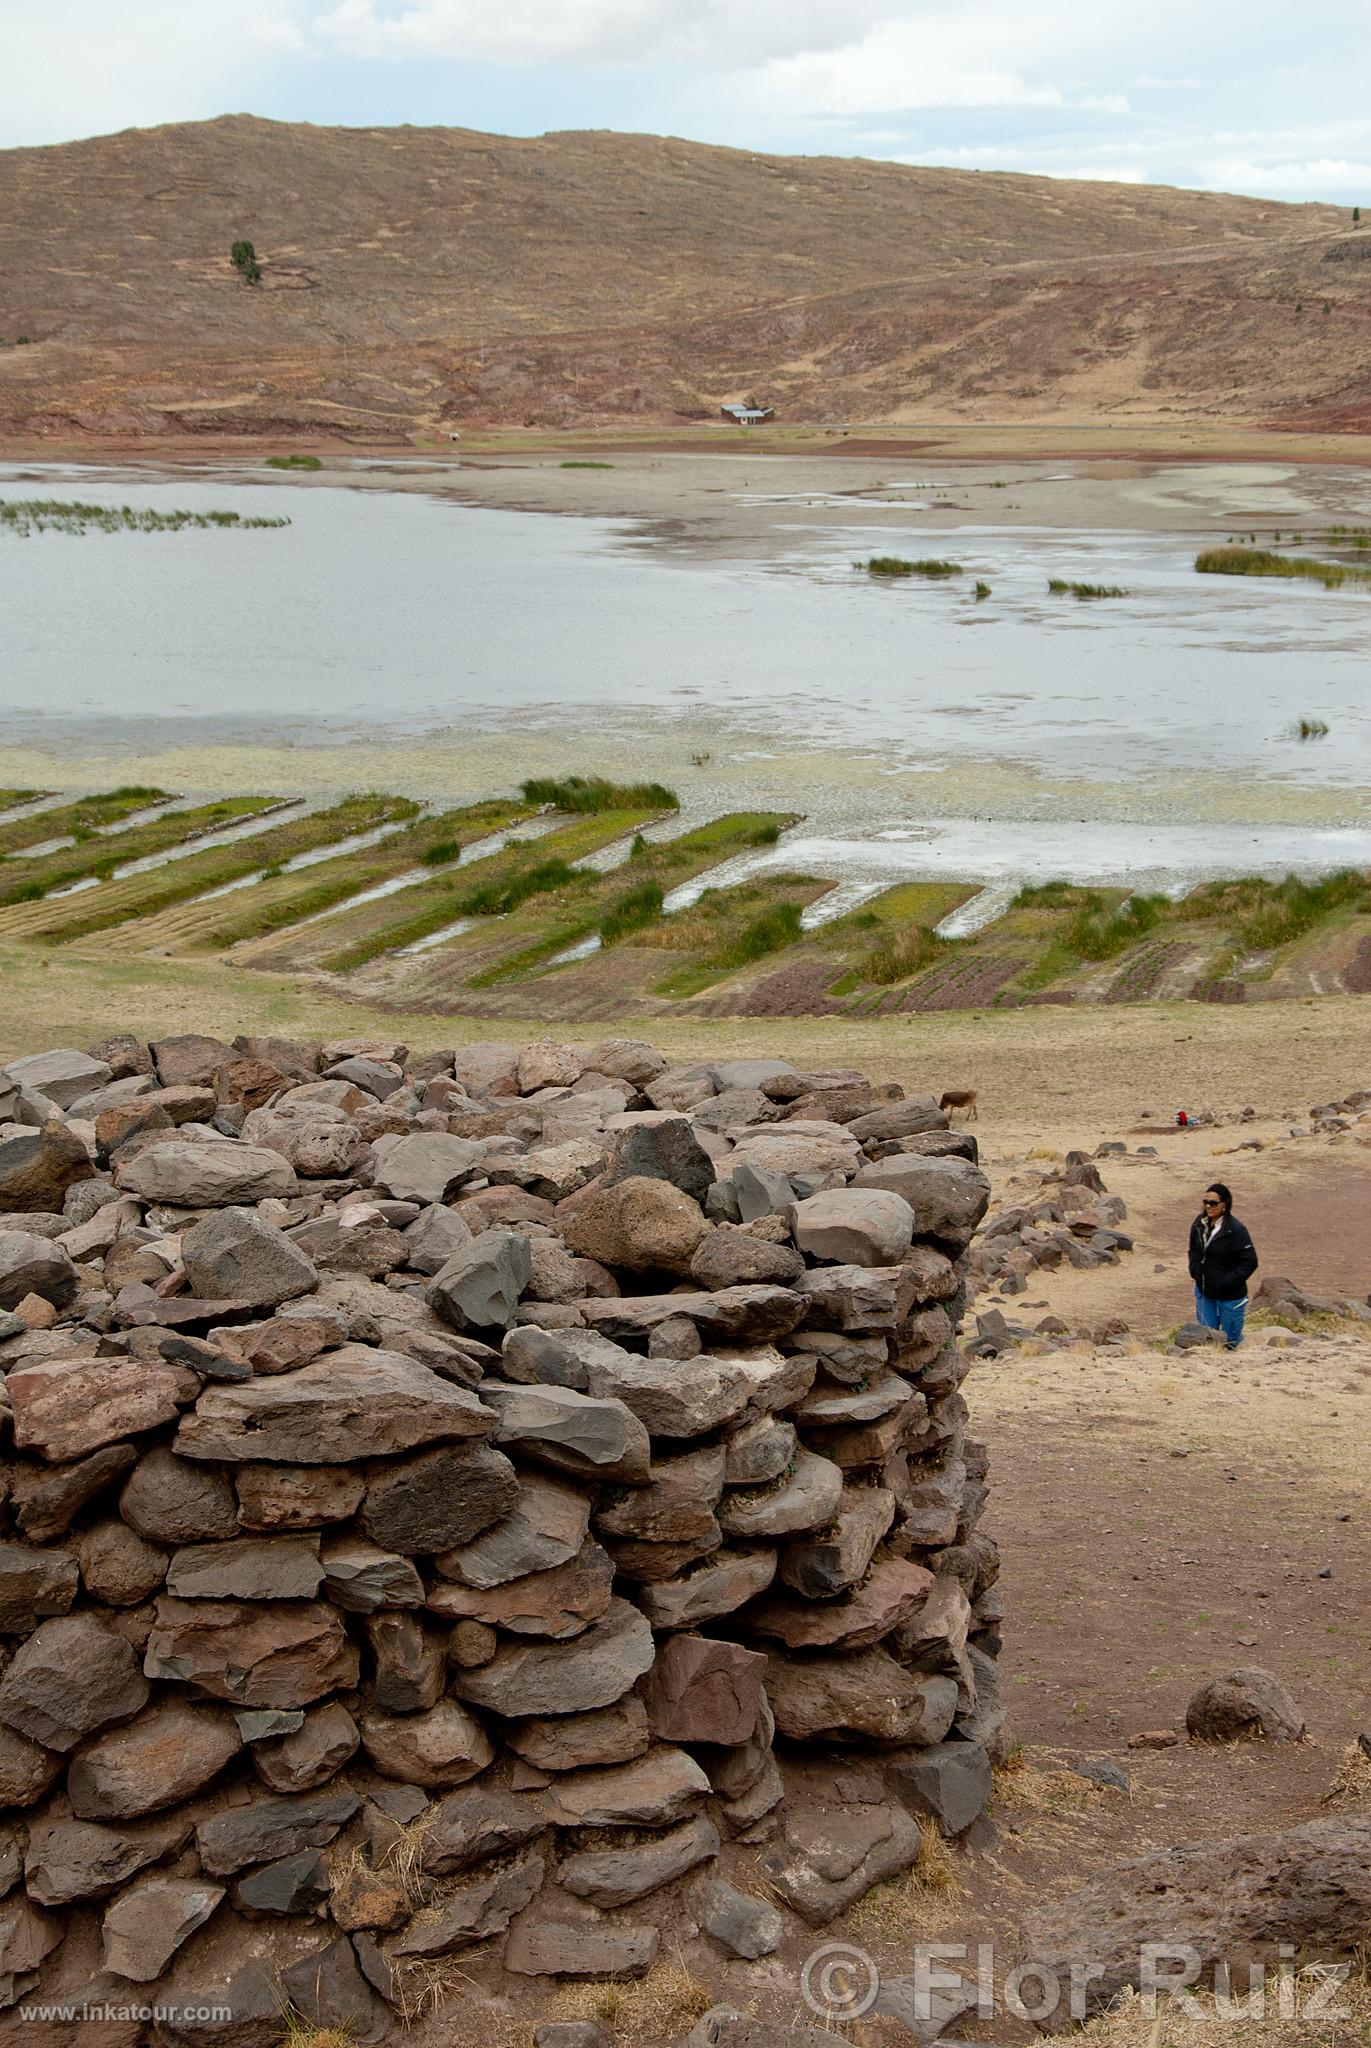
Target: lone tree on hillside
[[1356, 216], [244, 258]]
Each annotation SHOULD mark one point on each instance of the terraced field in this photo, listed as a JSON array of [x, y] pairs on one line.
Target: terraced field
[[576, 901]]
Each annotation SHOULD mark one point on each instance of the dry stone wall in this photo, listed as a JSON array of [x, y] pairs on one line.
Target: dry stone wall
[[451, 1500]]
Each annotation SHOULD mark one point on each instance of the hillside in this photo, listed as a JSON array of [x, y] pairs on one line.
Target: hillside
[[420, 278]]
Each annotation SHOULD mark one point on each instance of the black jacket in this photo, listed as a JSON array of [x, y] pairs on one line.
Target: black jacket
[[1222, 1268]]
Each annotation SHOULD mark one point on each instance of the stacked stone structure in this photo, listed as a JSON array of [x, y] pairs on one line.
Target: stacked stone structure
[[452, 1499]]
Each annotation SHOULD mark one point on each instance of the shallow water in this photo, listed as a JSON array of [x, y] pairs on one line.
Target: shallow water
[[433, 646]]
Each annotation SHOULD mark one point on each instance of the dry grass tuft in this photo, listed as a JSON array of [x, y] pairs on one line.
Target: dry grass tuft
[[1128, 2025], [1350, 1789], [425, 1984], [921, 1902], [301, 2033], [403, 1855], [658, 2007], [1033, 1781]]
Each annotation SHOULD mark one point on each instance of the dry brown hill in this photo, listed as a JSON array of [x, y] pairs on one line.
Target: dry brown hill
[[417, 278]]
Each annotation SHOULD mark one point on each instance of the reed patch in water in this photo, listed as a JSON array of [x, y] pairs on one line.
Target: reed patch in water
[[1243, 561]]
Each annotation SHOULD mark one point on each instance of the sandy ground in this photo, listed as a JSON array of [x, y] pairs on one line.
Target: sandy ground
[[725, 500]]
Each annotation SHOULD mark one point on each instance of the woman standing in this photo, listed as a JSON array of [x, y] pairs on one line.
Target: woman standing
[[1223, 1259]]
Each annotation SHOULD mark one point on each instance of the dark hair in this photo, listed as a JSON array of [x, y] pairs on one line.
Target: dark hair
[[1225, 1195]]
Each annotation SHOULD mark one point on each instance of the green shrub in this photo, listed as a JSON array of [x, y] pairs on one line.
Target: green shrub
[[764, 835], [777, 926], [1239, 561], [595, 793], [1097, 935], [896, 565], [1057, 587], [903, 954], [638, 907], [441, 852], [496, 899]]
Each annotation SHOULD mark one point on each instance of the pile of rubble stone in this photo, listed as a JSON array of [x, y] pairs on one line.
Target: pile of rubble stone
[[453, 1498]]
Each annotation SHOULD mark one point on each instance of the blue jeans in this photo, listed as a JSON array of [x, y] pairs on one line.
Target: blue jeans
[[1227, 1316]]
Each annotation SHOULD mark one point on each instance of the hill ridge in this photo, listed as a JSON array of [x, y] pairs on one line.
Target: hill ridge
[[417, 278]]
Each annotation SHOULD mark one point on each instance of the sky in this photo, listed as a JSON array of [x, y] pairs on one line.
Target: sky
[[1207, 93]]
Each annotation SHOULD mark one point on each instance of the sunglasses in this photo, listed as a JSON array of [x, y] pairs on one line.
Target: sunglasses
[[1207, 1202]]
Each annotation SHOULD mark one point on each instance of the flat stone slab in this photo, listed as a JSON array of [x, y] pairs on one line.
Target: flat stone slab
[[355, 1402]]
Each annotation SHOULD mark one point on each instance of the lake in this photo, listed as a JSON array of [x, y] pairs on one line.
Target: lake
[[402, 639]]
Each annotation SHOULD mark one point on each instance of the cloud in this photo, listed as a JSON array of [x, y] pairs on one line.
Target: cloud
[[718, 32], [1313, 178], [84, 67]]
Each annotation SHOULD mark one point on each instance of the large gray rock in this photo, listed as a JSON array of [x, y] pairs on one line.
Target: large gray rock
[[70, 1860], [669, 1401], [304, 1757], [69, 1406], [267, 1653], [170, 1500], [950, 1782], [746, 1927], [329, 1990], [169, 1753], [807, 1499], [868, 1695], [828, 1859], [899, 1119], [148, 1923], [267, 1828], [71, 1677], [1231, 1902], [27, 1769], [948, 1196], [252, 1568], [617, 1877], [560, 1603], [34, 1585], [427, 1166], [479, 1822], [663, 1147], [719, 1583], [63, 1076], [34, 1265], [641, 1224], [205, 1174], [363, 1578], [544, 1528], [471, 1912], [37, 1168], [854, 1226], [480, 1286], [760, 1314], [445, 1746], [820, 1566], [1243, 1704], [438, 1499], [234, 1256], [573, 1432], [349, 1403], [654, 1791], [537, 1678], [27, 1935], [47, 1507], [434, 1237], [677, 1504], [576, 1948]]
